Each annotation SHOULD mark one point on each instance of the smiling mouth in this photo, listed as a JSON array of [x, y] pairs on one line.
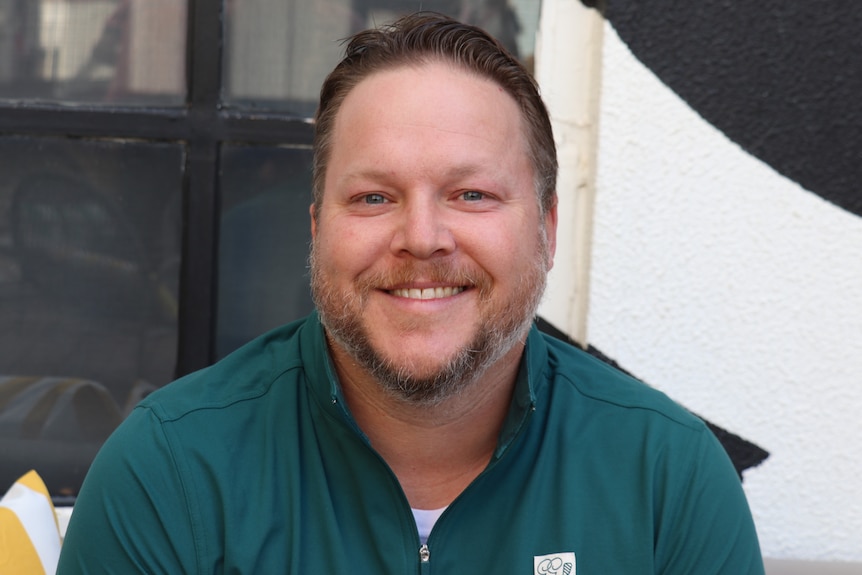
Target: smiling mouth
[[427, 293]]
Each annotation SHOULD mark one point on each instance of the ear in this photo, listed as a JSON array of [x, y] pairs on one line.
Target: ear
[[311, 212], [551, 233]]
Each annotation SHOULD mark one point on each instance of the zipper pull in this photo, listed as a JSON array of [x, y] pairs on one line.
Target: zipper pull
[[424, 554]]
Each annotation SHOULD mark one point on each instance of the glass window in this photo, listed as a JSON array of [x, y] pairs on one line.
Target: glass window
[[278, 52], [123, 52], [91, 220], [90, 237], [263, 242]]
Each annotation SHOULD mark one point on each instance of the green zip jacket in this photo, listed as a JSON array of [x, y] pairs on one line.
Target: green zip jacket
[[255, 466]]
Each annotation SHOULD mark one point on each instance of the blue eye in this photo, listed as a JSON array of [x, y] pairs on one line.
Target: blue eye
[[374, 199], [472, 196]]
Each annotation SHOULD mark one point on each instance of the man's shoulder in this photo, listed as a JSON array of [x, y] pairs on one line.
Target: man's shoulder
[[246, 374], [605, 386]]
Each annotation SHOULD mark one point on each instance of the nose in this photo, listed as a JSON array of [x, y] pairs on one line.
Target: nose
[[423, 229]]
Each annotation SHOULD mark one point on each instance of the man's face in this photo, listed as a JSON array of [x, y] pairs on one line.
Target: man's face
[[429, 252]]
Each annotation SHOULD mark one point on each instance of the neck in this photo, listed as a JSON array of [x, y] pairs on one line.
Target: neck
[[437, 450]]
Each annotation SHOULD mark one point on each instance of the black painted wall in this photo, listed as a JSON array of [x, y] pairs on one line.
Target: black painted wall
[[782, 78]]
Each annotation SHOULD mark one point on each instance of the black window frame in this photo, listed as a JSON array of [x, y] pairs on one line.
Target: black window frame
[[203, 125]]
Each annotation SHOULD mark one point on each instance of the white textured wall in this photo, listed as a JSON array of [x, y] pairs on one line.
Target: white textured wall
[[739, 294]]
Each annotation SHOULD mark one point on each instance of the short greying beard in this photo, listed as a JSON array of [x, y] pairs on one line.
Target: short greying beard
[[496, 334]]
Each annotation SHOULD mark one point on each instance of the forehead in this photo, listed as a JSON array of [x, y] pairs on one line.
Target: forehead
[[420, 89], [441, 106]]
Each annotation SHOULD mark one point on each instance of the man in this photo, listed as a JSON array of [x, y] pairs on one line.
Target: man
[[417, 421]]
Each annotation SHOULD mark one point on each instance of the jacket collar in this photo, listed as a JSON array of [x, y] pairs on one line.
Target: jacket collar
[[315, 355]]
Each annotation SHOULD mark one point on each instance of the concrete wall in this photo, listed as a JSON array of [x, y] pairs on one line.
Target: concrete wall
[[708, 260]]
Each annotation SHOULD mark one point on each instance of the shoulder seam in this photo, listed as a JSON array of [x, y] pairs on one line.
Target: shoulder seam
[[158, 409], [695, 424]]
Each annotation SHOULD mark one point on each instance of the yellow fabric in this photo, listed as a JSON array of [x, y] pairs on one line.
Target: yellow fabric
[[29, 536]]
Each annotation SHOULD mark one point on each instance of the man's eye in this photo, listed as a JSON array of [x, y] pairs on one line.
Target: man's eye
[[374, 199], [472, 196]]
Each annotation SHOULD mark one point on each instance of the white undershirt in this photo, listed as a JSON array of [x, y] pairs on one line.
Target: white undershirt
[[425, 520]]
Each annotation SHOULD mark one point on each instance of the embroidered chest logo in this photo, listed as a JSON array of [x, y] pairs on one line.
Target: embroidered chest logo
[[554, 564]]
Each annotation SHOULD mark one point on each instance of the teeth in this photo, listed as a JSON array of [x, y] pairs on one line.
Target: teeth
[[427, 293]]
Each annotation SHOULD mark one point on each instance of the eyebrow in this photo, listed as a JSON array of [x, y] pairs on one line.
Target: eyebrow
[[374, 174]]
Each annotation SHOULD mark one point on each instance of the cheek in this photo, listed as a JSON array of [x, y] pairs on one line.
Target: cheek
[[501, 246], [347, 247]]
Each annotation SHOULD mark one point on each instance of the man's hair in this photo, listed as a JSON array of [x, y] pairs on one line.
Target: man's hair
[[423, 38]]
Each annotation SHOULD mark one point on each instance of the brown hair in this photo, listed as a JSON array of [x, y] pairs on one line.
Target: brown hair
[[421, 38]]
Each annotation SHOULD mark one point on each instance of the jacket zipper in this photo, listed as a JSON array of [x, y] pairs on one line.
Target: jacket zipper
[[424, 551], [424, 560]]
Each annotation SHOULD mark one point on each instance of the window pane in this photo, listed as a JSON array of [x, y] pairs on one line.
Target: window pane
[[264, 238], [89, 273], [278, 52], [123, 52]]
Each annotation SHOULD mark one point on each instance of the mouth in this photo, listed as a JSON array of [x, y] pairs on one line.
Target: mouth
[[427, 293]]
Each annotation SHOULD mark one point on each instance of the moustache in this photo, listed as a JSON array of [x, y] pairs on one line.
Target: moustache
[[438, 272]]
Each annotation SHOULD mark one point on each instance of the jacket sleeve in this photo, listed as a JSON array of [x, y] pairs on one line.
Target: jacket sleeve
[[706, 525], [132, 514]]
